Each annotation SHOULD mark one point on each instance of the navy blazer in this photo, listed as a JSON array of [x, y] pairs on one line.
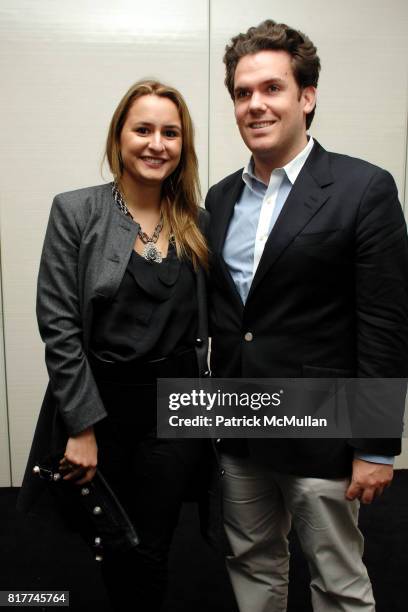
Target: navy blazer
[[329, 298]]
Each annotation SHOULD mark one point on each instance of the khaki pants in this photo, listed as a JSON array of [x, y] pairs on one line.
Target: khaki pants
[[259, 507]]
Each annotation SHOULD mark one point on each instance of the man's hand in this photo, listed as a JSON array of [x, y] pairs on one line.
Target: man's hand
[[80, 458], [368, 480]]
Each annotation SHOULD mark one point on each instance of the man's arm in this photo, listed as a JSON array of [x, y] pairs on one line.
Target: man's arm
[[382, 320]]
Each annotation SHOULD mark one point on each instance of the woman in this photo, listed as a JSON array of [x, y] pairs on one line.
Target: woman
[[121, 302]]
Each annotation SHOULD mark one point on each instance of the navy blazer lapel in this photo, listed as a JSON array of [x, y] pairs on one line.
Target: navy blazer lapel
[[306, 197], [231, 193]]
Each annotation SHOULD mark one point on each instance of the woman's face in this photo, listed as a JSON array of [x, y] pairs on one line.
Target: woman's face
[[151, 140]]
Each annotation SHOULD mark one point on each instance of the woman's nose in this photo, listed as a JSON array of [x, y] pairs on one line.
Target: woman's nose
[[156, 142]]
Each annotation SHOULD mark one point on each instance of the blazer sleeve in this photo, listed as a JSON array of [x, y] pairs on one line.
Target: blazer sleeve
[[59, 319], [381, 286]]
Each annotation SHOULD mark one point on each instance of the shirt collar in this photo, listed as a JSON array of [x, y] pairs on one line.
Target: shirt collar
[[292, 168]]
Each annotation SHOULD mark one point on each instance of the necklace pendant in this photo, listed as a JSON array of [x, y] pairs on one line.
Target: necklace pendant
[[151, 253]]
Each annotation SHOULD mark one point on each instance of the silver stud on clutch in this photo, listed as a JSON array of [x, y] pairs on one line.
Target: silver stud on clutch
[[84, 491], [97, 510]]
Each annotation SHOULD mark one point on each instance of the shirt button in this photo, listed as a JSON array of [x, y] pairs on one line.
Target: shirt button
[[248, 336], [269, 201]]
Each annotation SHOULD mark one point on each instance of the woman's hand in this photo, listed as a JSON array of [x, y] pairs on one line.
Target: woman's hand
[[80, 458]]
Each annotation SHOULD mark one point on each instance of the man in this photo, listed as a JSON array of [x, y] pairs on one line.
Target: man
[[309, 279]]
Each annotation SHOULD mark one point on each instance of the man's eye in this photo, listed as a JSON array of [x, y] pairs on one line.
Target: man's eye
[[241, 93], [273, 88]]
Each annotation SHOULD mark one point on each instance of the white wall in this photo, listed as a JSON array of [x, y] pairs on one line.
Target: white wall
[[64, 66], [362, 96]]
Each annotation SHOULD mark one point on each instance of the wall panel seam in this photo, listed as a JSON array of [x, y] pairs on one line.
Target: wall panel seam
[[405, 183], [4, 371], [208, 95]]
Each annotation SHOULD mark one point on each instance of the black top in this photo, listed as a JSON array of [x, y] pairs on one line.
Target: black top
[[152, 315]]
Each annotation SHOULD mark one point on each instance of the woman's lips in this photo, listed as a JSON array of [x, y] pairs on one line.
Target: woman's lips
[[153, 162]]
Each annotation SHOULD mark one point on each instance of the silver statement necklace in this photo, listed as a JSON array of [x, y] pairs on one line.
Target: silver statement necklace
[[150, 251]]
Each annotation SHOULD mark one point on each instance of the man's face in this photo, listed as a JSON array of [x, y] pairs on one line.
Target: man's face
[[270, 109]]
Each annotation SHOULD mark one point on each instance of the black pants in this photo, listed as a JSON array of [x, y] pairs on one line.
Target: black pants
[[150, 477]]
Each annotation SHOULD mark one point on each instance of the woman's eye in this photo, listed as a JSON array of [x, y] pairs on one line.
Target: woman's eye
[[142, 130], [171, 133]]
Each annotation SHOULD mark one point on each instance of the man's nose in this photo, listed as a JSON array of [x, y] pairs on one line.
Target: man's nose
[[257, 103]]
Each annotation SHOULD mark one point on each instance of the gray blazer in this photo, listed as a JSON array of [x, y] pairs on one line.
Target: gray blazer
[[86, 250]]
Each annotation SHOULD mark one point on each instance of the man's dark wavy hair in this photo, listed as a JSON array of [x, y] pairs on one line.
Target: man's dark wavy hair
[[270, 35]]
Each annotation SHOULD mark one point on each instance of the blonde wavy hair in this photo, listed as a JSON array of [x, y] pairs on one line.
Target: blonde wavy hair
[[180, 190]]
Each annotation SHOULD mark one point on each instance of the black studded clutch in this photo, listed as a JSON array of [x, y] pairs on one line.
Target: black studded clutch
[[92, 509]]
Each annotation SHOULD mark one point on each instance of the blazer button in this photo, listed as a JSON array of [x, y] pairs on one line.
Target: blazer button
[[249, 337], [198, 342], [206, 374]]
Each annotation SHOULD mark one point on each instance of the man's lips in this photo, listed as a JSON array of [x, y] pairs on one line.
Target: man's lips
[[259, 125]]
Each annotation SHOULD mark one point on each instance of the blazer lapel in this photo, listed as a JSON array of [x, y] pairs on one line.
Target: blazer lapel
[[119, 239], [231, 194], [306, 197]]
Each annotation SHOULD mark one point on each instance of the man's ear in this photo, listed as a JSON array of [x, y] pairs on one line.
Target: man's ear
[[309, 97]]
